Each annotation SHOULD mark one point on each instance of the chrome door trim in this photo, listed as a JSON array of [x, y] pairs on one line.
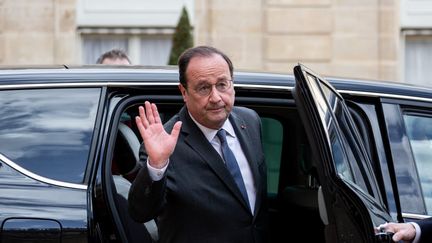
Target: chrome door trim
[[40, 178]]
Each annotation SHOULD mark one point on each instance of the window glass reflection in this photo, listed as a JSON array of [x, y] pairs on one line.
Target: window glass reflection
[[419, 130], [316, 92], [346, 152], [341, 163], [49, 131]]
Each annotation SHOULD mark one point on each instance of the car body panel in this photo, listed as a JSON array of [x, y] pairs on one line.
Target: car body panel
[[30, 200]]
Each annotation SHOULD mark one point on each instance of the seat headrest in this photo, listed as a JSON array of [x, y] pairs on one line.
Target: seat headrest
[[126, 152]]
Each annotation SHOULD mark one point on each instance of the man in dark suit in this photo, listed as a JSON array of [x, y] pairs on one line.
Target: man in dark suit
[[416, 232], [206, 181]]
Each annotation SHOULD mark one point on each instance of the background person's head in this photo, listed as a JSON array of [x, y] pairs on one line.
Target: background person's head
[[206, 85], [114, 57]]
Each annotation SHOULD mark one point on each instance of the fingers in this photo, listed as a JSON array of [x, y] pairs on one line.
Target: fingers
[[149, 112], [140, 126], [390, 227], [147, 116], [402, 231], [397, 237], [176, 130], [142, 116], [156, 113]]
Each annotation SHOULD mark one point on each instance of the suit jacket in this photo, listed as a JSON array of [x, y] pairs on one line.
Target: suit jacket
[[198, 200], [426, 230]]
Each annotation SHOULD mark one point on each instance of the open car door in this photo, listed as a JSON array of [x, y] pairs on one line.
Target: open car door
[[350, 203]]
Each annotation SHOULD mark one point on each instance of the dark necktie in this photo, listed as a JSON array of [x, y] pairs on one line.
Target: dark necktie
[[231, 164]]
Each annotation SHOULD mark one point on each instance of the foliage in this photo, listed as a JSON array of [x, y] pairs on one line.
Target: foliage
[[182, 38]]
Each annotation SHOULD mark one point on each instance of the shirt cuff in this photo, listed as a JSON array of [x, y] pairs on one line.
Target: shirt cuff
[[418, 232], [155, 173]]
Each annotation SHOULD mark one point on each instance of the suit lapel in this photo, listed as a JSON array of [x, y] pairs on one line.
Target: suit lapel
[[199, 143], [242, 132]]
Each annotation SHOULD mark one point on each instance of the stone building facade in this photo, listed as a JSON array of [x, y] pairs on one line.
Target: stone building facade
[[347, 38], [334, 37], [37, 32]]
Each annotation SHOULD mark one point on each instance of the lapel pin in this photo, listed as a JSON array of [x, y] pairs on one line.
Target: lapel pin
[[242, 126]]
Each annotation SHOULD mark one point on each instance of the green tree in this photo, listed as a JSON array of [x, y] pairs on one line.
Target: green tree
[[182, 38]]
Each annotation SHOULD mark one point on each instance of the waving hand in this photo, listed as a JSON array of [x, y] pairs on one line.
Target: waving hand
[[158, 143]]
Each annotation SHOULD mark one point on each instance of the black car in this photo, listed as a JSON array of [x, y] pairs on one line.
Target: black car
[[343, 156]]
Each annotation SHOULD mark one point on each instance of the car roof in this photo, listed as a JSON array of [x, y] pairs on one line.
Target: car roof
[[88, 75]]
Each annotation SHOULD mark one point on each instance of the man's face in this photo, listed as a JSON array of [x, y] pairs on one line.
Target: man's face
[[209, 110], [116, 61]]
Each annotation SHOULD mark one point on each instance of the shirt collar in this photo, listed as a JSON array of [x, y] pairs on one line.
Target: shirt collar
[[211, 133]]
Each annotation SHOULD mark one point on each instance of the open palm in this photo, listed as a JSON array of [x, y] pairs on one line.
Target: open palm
[[158, 143]]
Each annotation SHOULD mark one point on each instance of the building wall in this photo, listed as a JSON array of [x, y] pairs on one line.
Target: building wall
[[334, 37], [46, 32], [37, 32], [236, 27]]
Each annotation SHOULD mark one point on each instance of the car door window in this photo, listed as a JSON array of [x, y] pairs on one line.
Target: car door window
[[49, 131], [419, 130], [349, 161]]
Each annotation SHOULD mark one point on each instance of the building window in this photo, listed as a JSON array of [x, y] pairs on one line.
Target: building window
[[155, 50], [418, 50], [144, 46], [94, 46]]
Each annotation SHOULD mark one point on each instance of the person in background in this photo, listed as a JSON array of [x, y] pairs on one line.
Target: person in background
[[114, 57], [206, 181], [415, 232], [119, 57]]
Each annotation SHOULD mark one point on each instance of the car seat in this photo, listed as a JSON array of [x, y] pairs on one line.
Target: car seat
[[125, 157], [126, 161]]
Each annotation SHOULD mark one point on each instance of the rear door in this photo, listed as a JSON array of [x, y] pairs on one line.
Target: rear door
[[351, 205]]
